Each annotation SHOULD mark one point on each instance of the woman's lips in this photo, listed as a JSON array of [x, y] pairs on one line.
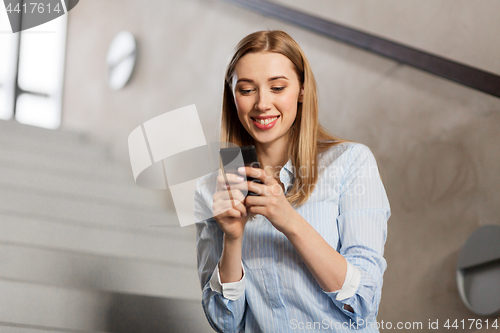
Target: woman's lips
[[265, 126]]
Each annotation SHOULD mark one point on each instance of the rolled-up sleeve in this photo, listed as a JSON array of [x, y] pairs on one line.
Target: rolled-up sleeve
[[362, 222], [223, 314]]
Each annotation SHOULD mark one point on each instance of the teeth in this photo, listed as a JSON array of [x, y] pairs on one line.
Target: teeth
[[266, 121]]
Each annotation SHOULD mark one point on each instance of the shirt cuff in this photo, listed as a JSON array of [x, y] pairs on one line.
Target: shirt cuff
[[230, 290], [351, 283]]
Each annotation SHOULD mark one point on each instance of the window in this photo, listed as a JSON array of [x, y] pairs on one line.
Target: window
[[31, 72]]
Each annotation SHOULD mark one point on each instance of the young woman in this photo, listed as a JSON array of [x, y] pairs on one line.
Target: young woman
[[306, 254]]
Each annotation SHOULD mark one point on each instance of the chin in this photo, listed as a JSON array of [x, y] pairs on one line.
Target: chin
[[265, 140], [264, 137]]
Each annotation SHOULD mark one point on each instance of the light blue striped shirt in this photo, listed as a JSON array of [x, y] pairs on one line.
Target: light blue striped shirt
[[348, 207]]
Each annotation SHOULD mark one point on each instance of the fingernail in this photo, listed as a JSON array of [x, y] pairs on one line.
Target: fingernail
[[240, 178], [241, 169]]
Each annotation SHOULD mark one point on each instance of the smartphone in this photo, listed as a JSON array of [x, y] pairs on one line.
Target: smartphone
[[231, 161]]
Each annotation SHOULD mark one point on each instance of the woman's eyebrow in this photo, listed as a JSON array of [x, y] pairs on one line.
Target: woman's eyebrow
[[277, 78], [270, 79]]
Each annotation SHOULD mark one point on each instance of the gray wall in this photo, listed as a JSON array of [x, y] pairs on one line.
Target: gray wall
[[437, 142], [462, 30]]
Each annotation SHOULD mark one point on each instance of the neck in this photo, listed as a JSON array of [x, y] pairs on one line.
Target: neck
[[272, 156]]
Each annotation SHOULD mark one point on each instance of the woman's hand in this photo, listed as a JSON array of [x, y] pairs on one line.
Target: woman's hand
[[229, 210], [270, 202], [326, 265]]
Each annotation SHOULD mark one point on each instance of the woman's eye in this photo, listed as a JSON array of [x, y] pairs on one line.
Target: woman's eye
[[245, 91], [278, 88]]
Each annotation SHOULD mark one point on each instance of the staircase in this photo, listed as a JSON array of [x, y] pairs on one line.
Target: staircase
[[82, 248]]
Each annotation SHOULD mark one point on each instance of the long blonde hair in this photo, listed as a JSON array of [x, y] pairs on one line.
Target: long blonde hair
[[308, 139]]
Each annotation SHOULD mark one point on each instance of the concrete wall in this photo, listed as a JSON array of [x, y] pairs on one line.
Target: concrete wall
[[465, 31], [437, 142]]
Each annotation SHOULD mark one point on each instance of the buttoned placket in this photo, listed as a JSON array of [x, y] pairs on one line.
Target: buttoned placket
[[269, 268]]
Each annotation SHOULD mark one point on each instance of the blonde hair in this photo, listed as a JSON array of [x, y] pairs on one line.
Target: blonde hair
[[308, 138]]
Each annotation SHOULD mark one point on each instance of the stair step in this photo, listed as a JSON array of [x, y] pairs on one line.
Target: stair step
[[176, 246], [82, 210], [77, 166], [20, 328], [55, 150], [32, 308], [53, 307], [23, 132], [126, 192], [82, 271]]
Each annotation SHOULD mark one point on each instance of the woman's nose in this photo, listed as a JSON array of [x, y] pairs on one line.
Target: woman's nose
[[263, 101]]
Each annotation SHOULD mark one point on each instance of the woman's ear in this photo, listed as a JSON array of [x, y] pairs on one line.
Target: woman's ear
[[301, 96]]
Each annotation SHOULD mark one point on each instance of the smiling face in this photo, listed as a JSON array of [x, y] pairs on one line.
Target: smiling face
[[266, 92]]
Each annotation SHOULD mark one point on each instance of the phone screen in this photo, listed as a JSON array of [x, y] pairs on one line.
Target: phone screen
[[232, 160]]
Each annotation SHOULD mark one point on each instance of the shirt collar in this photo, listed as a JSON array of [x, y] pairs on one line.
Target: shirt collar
[[287, 175], [289, 167]]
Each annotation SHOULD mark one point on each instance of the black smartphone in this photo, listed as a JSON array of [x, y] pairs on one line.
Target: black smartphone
[[231, 162]]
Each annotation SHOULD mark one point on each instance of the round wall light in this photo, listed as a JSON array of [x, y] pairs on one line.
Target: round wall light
[[478, 271], [120, 62]]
